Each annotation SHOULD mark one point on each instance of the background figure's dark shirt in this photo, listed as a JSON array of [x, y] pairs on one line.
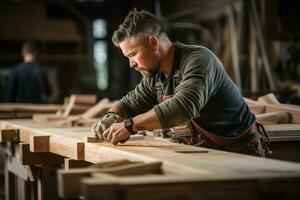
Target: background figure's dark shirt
[[25, 84], [205, 94]]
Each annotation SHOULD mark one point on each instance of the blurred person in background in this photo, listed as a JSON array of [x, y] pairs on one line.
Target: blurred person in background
[[26, 82]]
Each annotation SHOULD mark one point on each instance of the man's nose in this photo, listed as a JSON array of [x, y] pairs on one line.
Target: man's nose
[[132, 63]]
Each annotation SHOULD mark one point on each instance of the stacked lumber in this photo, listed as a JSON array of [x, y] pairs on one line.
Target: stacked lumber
[[268, 110], [79, 108]]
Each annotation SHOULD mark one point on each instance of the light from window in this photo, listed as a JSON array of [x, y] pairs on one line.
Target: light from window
[[99, 28]]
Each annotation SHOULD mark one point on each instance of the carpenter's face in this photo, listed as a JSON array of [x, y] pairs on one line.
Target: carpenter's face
[[142, 55]]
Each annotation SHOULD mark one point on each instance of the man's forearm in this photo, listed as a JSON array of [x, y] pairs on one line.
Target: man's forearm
[[146, 121], [116, 109]]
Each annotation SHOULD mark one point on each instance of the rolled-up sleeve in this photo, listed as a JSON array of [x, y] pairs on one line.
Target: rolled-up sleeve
[[141, 99], [191, 94]]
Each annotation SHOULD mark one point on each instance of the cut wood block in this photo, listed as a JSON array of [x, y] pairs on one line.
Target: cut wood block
[[274, 118], [29, 158], [71, 164], [9, 135], [268, 99], [39, 143], [69, 181]]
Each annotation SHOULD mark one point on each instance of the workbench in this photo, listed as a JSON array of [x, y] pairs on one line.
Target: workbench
[[46, 155]]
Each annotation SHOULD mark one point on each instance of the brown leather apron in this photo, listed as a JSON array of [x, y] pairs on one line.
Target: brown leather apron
[[251, 141]]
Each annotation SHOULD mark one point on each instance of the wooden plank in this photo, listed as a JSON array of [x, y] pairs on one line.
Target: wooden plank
[[48, 118], [30, 107], [166, 187], [69, 181], [9, 135], [61, 145], [295, 112], [283, 130], [39, 143], [64, 140], [274, 118], [292, 109]]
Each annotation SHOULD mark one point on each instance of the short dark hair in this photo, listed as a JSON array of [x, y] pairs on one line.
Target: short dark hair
[[135, 23], [30, 47]]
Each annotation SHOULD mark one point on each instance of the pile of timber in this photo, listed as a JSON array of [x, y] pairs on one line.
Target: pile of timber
[[81, 110], [142, 169], [268, 110]]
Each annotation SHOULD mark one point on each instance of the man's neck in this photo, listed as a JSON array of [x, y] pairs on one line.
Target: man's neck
[[166, 63]]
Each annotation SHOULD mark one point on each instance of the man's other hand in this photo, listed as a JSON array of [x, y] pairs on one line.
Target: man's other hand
[[116, 133], [107, 120]]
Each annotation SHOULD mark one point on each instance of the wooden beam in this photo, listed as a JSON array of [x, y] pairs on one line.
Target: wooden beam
[[9, 135], [39, 143], [274, 118], [69, 181], [162, 187]]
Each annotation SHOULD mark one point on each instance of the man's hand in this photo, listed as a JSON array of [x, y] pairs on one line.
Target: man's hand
[[116, 133], [107, 120]]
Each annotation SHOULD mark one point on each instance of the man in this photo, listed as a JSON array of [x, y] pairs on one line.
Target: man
[[184, 88], [27, 83]]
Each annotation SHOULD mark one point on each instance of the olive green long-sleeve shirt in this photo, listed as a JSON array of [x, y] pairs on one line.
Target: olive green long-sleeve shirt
[[205, 93]]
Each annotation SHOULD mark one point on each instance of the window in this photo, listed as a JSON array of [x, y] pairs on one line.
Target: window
[[100, 53]]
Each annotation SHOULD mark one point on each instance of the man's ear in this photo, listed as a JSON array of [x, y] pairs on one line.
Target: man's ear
[[153, 42]]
